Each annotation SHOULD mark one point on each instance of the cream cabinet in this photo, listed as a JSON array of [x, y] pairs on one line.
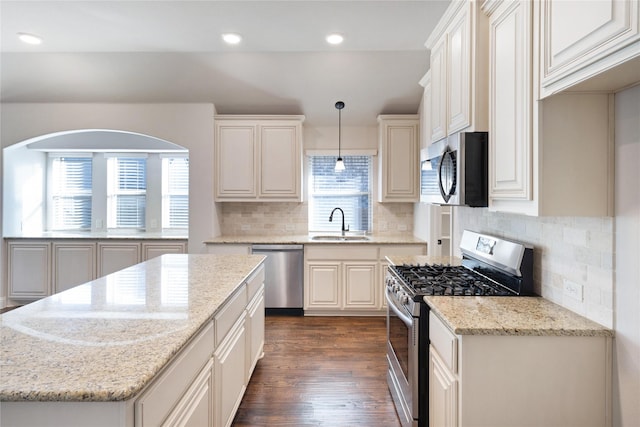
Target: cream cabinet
[[459, 69], [177, 394], [472, 376], [255, 320], [583, 39], [425, 111], [39, 268], [399, 158], [258, 158], [114, 256], [348, 279], [547, 157], [74, 263], [229, 372], [29, 269]]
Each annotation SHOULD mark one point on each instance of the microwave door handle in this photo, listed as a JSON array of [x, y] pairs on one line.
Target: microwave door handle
[[445, 196]]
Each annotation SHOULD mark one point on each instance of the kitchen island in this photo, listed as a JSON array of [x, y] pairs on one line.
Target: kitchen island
[[136, 347]]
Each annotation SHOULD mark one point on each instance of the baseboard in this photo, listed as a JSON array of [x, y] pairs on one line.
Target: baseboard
[[3, 302]]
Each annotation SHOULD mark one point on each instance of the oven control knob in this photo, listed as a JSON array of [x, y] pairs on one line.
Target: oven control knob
[[404, 299]]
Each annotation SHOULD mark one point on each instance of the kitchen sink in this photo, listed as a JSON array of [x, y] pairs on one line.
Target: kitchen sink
[[333, 238]]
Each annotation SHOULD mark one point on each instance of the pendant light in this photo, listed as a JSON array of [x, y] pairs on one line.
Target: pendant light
[[339, 162]]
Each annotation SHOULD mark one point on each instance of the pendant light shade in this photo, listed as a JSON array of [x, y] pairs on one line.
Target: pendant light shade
[[339, 163]]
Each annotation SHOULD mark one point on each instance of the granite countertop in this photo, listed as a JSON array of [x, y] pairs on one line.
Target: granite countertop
[[511, 316], [107, 339], [307, 239]]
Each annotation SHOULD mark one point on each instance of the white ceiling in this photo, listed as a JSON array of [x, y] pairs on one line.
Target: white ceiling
[[171, 51]]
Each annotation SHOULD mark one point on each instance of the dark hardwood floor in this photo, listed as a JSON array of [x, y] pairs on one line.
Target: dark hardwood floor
[[320, 371]]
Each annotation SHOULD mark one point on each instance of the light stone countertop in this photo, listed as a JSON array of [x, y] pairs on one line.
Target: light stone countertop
[[503, 315], [534, 316], [107, 339], [102, 235], [307, 239]]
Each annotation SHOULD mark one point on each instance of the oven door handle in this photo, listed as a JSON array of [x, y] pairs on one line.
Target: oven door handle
[[408, 320]]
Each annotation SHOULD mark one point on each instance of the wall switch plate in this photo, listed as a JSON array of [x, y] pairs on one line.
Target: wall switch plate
[[382, 225], [402, 227], [573, 290], [245, 227], [290, 227]]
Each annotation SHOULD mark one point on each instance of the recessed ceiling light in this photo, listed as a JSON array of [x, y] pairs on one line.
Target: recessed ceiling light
[[335, 38], [232, 38], [29, 38]]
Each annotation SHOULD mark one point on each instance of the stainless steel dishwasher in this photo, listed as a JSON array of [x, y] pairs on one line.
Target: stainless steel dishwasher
[[284, 275]]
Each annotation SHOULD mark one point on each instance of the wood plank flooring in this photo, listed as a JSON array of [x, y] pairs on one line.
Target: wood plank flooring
[[320, 371]]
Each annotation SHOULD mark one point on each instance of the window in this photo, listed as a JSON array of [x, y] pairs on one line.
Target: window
[[126, 192], [70, 192], [349, 190], [175, 192]]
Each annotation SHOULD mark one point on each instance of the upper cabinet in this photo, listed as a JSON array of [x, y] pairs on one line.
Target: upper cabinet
[[258, 158], [547, 157], [459, 68], [575, 46], [399, 158]]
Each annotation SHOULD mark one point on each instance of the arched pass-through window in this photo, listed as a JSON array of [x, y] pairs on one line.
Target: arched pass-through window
[[95, 180]]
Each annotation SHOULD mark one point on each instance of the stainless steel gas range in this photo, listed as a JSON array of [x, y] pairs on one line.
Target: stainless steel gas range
[[490, 266]]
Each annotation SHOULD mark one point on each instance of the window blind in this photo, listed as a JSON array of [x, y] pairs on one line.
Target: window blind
[[71, 193], [127, 182], [349, 190], [175, 192]]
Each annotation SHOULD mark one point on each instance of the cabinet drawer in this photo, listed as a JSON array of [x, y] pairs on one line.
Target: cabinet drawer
[[344, 251], [254, 282], [231, 311], [158, 401], [444, 342]]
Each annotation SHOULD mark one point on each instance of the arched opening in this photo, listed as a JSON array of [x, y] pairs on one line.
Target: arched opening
[[98, 181]]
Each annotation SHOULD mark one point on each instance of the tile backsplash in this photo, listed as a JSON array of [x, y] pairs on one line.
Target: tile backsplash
[[573, 256], [274, 218]]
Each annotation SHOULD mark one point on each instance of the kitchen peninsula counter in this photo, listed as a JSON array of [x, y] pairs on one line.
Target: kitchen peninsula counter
[[106, 340]]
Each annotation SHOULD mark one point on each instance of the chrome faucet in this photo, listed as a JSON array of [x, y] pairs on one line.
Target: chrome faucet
[[342, 212]]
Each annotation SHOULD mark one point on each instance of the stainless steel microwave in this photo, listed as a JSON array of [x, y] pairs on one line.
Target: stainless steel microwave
[[454, 171]]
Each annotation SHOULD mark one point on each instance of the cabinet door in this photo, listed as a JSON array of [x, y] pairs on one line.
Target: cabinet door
[[236, 154], [255, 330], [399, 164], [113, 257], [154, 249], [29, 266], [195, 409], [280, 161], [443, 393], [459, 72], [230, 374], [577, 34], [322, 286], [73, 264], [360, 286], [439, 91], [510, 101]]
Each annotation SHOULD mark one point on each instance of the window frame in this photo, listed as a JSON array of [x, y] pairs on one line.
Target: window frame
[[350, 216]]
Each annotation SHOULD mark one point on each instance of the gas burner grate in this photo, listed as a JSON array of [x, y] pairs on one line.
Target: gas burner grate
[[444, 279]]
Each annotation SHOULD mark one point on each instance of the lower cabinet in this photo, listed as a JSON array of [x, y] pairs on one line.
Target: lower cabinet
[[29, 269], [195, 409], [347, 279], [39, 268], [230, 374], [255, 330], [545, 380]]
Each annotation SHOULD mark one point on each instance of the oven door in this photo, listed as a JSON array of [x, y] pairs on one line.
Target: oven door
[[402, 357]]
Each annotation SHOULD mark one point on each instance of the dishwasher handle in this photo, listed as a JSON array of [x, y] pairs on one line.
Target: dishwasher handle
[[276, 248]]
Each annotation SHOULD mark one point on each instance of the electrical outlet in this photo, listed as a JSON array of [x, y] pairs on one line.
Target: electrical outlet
[[154, 223], [402, 227], [573, 290], [290, 227], [382, 225]]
